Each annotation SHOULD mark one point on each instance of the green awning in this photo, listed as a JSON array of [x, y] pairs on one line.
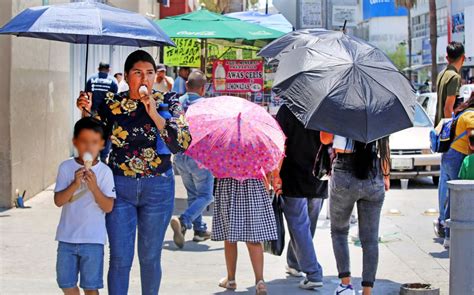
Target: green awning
[[203, 24]]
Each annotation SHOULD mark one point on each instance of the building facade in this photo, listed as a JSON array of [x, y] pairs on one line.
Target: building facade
[[453, 19], [39, 82]]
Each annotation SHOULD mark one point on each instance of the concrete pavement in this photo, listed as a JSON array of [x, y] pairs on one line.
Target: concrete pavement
[[408, 252]]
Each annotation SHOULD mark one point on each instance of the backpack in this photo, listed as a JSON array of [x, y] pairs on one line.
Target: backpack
[[442, 141]]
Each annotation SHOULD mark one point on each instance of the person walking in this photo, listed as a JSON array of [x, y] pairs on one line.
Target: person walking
[[243, 213], [122, 85], [303, 196], [99, 85], [360, 176], [144, 179], [448, 83], [162, 83], [199, 182], [452, 160], [179, 85]]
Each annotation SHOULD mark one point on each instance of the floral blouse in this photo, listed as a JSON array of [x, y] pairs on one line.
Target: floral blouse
[[134, 135]]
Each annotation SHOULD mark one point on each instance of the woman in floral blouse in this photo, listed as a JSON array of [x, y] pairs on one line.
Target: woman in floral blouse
[[140, 159]]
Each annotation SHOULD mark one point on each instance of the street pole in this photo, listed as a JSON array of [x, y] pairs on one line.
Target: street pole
[[266, 7], [461, 224]]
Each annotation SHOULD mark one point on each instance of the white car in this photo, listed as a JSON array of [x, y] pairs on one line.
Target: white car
[[429, 102], [411, 156], [466, 91]]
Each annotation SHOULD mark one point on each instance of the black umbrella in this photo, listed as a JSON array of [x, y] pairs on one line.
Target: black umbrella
[[341, 84]]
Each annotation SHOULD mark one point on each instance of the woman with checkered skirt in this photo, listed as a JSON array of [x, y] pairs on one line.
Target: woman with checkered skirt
[[243, 213]]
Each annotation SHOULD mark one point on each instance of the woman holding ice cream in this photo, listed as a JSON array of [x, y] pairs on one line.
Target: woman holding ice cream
[[140, 160]]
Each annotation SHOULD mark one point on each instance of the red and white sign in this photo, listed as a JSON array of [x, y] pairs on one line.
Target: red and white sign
[[238, 75]]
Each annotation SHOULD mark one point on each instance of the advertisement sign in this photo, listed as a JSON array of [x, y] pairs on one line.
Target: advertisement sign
[[310, 14], [378, 8], [341, 13], [238, 75], [187, 53], [457, 22]]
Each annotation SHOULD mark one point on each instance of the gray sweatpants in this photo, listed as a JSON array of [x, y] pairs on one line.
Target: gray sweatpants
[[345, 191]]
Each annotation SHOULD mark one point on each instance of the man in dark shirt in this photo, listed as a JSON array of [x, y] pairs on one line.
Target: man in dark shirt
[[99, 84], [303, 196]]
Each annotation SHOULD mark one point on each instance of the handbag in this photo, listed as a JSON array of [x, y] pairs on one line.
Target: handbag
[[276, 247], [323, 162]]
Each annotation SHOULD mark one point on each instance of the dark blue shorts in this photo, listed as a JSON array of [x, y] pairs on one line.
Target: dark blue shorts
[[84, 259]]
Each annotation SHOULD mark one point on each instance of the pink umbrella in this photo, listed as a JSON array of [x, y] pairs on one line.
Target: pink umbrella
[[235, 138]]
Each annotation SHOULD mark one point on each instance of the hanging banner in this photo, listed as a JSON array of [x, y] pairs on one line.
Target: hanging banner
[[238, 75], [187, 53]]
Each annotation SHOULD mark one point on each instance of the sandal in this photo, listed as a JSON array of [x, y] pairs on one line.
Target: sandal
[[227, 284], [260, 288]]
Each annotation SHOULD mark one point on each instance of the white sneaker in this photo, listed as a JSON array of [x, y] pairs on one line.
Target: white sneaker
[[293, 272], [309, 285], [344, 290], [447, 243]]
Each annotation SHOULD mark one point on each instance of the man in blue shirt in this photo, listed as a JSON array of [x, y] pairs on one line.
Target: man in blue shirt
[[99, 84], [199, 182], [179, 85]]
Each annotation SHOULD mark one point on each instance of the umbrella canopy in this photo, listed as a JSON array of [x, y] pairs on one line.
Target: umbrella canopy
[[87, 23], [273, 21], [203, 24], [340, 84], [234, 137]]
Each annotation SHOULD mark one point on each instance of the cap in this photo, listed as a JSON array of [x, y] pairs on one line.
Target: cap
[[160, 67]]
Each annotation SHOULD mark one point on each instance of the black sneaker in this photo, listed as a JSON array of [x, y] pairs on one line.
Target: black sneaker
[[201, 236], [439, 229], [179, 231]]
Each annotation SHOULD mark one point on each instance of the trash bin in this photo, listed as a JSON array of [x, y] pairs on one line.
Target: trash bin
[[461, 224]]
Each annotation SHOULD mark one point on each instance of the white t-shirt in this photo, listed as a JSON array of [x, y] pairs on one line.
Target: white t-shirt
[[82, 221], [122, 86]]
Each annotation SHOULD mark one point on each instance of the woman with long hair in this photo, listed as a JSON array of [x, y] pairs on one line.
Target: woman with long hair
[[141, 163], [360, 176], [451, 161]]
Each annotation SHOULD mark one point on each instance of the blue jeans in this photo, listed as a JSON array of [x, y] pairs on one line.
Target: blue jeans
[[146, 203], [199, 184], [451, 162], [301, 216], [84, 259]]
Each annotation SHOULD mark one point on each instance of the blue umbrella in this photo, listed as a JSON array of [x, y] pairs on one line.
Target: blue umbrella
[[87, 23], [273, 21]]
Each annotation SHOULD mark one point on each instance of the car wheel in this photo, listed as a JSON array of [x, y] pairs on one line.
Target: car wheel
[[436, 180]]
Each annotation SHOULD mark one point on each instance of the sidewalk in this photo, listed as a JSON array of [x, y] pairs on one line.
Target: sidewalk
[[408, 252]]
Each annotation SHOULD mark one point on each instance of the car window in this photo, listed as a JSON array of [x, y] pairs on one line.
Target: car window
[[421, 119]]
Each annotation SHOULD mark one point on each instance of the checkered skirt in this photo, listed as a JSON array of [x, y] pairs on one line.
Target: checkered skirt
[[242, 212]]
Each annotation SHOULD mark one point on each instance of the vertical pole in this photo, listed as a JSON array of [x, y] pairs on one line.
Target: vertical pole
[[461, 224], [87, 59], [202, 55], [266, 7], [206, 52]]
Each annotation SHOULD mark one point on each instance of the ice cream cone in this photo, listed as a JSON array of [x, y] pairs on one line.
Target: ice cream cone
[[88, 160]]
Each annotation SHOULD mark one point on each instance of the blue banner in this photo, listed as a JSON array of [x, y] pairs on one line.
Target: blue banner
[[379, 8]]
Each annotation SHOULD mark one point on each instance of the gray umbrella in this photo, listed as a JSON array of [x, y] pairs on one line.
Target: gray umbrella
[[341, 84]]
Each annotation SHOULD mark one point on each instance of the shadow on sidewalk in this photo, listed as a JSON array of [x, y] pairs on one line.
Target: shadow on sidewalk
[[190, 246], [290, 286]]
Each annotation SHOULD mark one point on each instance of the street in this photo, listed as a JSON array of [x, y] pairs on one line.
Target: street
[[408, 251]]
